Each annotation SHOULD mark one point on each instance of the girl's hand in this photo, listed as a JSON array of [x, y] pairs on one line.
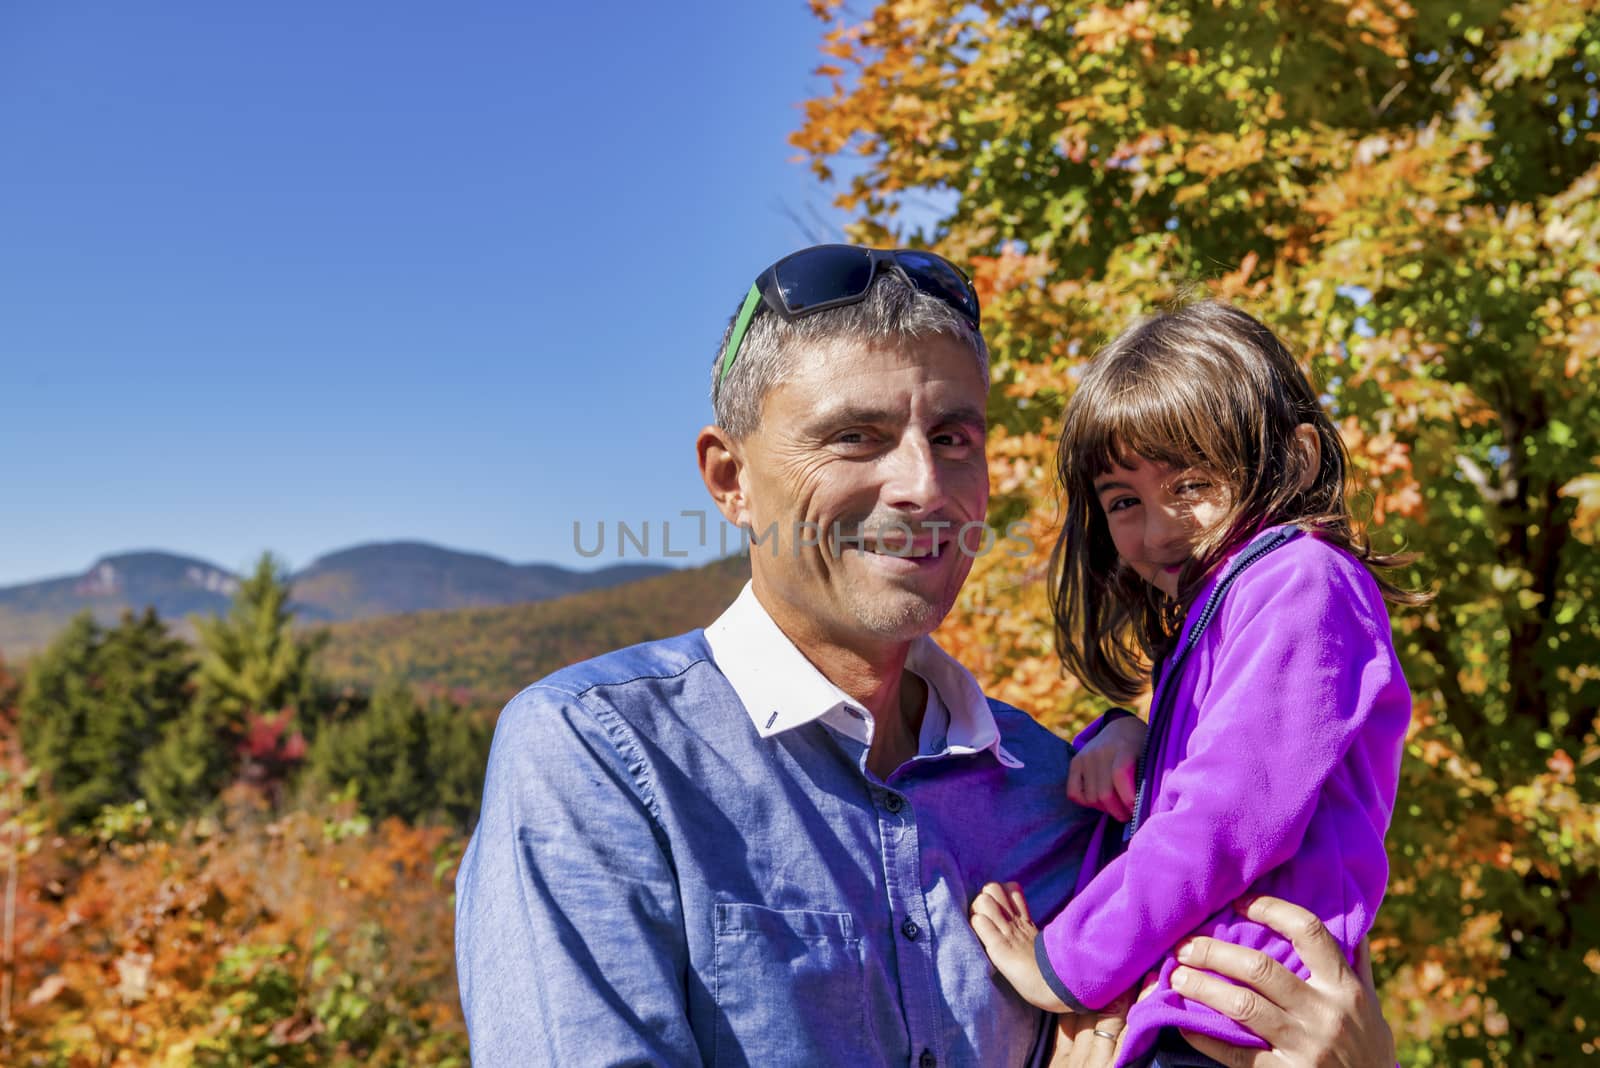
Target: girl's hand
[[1001, 921], [1103, 773]]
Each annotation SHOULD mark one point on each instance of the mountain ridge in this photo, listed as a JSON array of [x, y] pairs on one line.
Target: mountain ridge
[[357, 582]]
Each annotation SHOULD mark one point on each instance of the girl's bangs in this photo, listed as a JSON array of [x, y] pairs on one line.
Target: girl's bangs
[[1131, 420]]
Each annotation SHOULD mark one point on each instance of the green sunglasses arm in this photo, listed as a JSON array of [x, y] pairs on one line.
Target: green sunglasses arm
[[740, 325]]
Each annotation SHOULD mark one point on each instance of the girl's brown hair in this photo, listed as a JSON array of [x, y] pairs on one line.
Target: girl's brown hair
[[1207, 387]]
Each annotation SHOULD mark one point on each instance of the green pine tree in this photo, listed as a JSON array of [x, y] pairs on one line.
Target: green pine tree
[[95, 703], [189, 765], [458, 753], [408, 758], [9, 688], [58, 701], [250, 660]]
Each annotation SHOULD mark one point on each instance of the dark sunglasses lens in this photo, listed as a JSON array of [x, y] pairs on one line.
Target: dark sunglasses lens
[[819, 275], [937, 277]]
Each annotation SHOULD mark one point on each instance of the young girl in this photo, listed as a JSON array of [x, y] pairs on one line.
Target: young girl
[[1207, 532]]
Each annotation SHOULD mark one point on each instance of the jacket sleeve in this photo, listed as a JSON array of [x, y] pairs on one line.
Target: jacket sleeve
[[1303, 659], [1092, 731], [569, 930]]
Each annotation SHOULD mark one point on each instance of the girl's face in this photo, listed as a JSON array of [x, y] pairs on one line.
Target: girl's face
[[1156, 513]]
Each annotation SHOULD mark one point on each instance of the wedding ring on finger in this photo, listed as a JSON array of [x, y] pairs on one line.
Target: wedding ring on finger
[[1104, 1034]]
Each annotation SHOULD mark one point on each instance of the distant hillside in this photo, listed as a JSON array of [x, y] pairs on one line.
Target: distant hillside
[[356, 583], [408, 576], [176, 586], [485, 655]]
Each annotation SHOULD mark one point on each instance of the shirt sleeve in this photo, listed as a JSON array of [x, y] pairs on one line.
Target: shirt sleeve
[[1303, 660], [569, 928]]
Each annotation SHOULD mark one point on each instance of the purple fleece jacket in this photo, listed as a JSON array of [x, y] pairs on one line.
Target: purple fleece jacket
[[1271, 768]]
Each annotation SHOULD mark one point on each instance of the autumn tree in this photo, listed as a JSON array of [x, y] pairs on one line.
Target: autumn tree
[[1410, 192]]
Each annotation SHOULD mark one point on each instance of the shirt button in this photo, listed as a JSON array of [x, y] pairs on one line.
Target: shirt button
[[911, 930], [927, 1060], [893, 803]]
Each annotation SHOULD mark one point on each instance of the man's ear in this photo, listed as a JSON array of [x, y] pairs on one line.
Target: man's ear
[[1308, 447], [722, 469]]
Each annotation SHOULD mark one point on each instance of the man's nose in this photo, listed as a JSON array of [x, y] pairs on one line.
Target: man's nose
[[913, 480]]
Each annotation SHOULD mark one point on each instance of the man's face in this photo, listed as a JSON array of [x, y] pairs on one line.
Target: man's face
[[881, 443]]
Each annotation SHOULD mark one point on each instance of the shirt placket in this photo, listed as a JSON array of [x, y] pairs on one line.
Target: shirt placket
[[902, 868]]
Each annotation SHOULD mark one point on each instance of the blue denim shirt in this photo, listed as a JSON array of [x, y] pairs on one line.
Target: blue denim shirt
[[653, 882]]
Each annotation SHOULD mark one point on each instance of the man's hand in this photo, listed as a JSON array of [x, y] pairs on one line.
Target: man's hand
[[1094, 1039], [1091, 1039], [1332, 1021], [1103, 773]]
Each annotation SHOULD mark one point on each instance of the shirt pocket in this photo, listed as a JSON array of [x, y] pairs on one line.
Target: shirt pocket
[[789, 988]]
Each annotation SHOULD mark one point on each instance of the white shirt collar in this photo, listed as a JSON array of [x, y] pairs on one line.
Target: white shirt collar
[[782, 690]]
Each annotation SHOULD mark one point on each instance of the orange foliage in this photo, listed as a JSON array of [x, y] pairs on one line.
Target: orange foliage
[[310, 936]]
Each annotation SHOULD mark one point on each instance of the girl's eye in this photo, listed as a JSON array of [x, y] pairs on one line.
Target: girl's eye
[[1190, 488], [1121, 504]]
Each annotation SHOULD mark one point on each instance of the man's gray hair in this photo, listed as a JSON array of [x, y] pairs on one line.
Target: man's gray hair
[[894, 309]]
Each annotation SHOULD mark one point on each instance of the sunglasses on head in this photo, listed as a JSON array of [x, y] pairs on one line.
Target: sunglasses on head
[[831, 276]]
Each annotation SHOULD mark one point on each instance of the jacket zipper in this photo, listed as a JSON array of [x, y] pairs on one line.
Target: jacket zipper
[[1161, 708]]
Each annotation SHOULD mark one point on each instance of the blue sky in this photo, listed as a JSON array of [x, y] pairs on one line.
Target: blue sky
[[294, 276]]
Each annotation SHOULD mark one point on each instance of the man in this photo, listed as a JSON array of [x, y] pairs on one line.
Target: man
[[758, 843]]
